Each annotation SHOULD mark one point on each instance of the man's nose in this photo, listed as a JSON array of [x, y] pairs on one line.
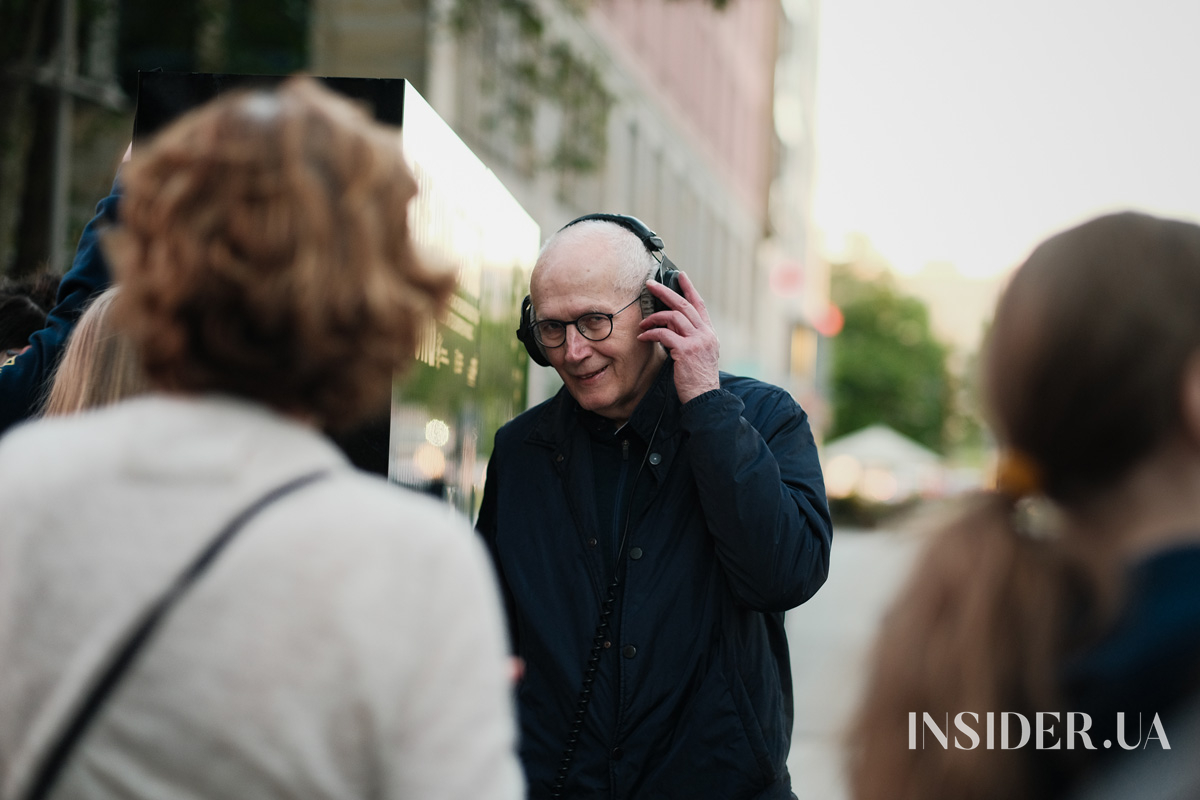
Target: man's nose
[[577, 346]]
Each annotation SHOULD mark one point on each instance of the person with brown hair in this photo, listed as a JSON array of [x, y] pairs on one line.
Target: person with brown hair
[[199, 596], [1053, 623], [99, 366]]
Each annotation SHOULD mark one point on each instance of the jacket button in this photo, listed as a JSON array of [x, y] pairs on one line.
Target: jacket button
[[607, 645], [559, 458], [591, 542], [655, 459], [617, 753], [635, 553], [629, 651]]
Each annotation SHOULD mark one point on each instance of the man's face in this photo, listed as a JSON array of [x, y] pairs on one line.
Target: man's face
[[573, 278]]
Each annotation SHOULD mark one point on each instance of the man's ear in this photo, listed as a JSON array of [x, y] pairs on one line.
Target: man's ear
[[1189, 391]]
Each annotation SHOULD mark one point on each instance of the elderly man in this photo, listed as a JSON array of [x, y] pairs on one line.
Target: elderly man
[[650, 525]]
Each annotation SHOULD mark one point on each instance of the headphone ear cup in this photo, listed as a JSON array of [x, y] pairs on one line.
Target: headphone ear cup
[[526, 337], [668, 276]]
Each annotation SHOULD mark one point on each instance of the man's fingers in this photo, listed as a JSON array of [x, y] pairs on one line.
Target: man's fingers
[[689, 303], [664, 336], [674, 300], [693, 296], [675, 320]]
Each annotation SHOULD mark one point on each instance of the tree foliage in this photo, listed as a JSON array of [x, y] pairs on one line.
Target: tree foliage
[[887, 366]]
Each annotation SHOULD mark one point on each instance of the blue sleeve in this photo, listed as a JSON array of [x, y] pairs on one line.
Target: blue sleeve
[[762, 494], [23, 377]]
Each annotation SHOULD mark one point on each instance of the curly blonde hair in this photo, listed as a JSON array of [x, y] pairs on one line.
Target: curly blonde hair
[[264, 252]]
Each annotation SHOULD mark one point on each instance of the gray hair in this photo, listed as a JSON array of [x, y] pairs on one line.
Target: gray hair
[[637, 263]]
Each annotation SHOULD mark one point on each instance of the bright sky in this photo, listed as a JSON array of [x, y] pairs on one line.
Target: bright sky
[[960, 131]]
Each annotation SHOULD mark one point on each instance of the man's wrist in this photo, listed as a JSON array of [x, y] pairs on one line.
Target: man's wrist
[[703, 404], [688, 394]]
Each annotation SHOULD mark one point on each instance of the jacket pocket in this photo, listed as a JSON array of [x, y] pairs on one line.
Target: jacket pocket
[[715, 749], [751, 727]]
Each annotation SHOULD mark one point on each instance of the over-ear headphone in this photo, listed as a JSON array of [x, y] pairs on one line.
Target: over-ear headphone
[[666, 273]]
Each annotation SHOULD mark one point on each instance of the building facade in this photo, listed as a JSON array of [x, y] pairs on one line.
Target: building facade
[[697, 120], [665, 110]]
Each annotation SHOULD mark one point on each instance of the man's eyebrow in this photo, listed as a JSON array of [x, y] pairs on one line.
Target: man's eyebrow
[[593, 310]]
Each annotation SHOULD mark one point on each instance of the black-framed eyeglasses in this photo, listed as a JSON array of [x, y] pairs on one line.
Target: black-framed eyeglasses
[[595, 327]]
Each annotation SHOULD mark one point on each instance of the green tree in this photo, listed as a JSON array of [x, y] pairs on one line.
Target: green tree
[[887, 366], [967, 436]]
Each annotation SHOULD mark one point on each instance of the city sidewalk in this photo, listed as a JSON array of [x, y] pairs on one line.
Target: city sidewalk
[[829, 637]]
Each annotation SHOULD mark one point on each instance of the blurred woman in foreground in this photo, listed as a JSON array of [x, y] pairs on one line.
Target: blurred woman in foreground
[[1070, 590], [349, 641]]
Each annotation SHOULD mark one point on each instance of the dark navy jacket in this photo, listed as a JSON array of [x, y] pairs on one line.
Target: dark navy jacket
[[728, 527], [23, 378]]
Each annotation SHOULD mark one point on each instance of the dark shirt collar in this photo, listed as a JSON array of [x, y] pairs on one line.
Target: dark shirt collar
[[562, 417], [645, 416]]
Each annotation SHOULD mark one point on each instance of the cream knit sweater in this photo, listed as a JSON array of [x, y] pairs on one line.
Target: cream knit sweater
[[349, 643]]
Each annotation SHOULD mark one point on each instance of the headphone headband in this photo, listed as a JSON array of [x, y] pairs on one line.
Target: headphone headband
[[649, 238]]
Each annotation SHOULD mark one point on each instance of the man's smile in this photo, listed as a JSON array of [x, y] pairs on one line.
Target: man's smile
[[591, 375]]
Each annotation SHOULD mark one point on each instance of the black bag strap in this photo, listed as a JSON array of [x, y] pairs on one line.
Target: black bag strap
[[108, 678]]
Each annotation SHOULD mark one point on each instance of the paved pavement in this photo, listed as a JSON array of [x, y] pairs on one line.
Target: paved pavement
[[829, 637]]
